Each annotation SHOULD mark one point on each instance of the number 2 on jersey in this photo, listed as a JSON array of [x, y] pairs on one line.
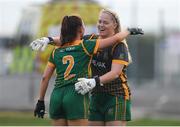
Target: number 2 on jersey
[[69, 67]]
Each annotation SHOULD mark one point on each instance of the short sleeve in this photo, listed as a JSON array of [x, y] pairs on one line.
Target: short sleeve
[[90, 46], [90, 36], [51, 59], [120, 54]]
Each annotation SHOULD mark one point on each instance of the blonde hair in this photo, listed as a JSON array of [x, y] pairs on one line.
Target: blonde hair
[[115, 18]]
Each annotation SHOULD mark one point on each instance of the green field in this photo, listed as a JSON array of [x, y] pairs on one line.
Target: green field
[[27, 119]]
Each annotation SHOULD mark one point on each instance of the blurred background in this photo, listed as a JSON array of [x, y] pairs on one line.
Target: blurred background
[[154, 75]]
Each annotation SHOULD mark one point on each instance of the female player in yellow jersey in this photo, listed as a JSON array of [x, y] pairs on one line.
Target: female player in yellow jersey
[[110, 104]]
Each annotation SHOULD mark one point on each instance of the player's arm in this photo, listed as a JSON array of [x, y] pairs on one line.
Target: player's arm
[[116, 70], [45, 81], [56, 41], [40, 106], [41, 43], [119, 37], [85, 85]]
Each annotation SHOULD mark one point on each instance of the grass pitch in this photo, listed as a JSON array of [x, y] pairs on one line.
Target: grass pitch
[[27, 119]]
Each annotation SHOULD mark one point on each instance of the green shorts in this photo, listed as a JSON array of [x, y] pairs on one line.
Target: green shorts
[[106, 107], [66, 103]]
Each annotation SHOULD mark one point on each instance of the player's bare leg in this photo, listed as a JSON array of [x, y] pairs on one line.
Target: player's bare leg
[[59, 122], [79, 122], [96, 123]]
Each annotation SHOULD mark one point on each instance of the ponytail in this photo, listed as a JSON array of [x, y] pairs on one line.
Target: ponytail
[[69, 28]]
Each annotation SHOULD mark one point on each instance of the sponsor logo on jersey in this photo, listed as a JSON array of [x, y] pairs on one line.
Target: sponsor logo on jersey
[[98, 64]]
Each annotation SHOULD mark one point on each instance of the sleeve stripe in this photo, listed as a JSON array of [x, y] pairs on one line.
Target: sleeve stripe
[[126, 91], [50, 64], [120, 62], [53, 53], [96, 47], [91, 36], [85, 50]]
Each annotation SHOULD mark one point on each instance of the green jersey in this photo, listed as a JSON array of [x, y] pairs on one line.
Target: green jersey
[[72, 61]]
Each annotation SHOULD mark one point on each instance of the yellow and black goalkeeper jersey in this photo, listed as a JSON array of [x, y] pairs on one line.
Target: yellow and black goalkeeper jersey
[[101, 64]]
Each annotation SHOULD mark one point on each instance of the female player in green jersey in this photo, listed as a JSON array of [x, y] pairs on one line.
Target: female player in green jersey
[[72, 61]]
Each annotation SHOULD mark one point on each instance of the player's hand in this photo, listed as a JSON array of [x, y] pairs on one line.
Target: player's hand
[[85, 85], [135, 31], [82, 87], [40, 109], [40, 44]]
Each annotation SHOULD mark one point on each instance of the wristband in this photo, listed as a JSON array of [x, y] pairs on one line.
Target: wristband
[[51, 41], [97, 79], [41, 101]]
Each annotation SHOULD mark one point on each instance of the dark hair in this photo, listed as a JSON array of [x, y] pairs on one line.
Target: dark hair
[[69, 28]]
